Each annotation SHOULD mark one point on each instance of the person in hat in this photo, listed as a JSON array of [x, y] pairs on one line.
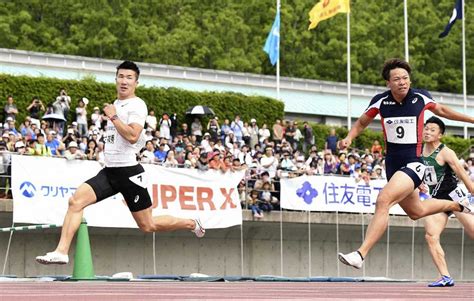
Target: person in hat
[[253, 132], [122, 173], [73, 152], [97, 118], [20, 147], [216, 162]]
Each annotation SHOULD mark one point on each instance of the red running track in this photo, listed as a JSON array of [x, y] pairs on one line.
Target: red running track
[[230, 290]]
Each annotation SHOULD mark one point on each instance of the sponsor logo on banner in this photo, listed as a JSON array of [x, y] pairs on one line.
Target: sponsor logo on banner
[[331, 193], [27, 189]]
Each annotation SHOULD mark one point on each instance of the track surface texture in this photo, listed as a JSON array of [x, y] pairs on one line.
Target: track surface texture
[[231, 290]]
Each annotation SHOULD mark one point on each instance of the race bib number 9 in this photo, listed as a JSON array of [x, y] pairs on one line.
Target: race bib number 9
[[401, 130]]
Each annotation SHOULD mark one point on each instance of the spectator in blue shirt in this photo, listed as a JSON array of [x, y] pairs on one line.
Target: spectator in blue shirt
[[236, 126], [160, 154], [53, 143]]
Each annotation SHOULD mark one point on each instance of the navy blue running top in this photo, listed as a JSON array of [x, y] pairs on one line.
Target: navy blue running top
[[402, 123]]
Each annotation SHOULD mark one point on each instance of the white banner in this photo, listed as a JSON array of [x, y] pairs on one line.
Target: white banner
[[42, 186], [331, 193]]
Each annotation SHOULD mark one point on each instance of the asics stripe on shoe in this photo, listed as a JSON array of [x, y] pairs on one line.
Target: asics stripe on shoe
[[443, 282]]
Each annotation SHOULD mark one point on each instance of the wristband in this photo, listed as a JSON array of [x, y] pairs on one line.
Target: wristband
[[114, 117]]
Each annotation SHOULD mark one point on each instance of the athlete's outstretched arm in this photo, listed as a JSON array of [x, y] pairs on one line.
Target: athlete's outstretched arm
[[447, 112], [361, 123], [453, 161]]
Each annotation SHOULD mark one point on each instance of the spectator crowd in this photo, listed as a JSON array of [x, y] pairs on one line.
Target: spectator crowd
[[266, 152]]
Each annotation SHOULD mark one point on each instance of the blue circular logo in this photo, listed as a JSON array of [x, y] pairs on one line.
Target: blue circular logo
[[27, 189]]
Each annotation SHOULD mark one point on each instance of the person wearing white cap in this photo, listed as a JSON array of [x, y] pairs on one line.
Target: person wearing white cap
[[20, 147], [73, 152], [97, 117], [253, 131], [122, 173]]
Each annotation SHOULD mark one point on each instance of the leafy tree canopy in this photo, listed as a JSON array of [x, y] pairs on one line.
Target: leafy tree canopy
[[230, 34]]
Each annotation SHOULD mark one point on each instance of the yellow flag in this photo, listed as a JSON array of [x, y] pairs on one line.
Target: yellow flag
[[326, 9]]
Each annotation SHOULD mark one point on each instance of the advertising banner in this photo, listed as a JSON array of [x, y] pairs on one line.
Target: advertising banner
[[42, 186]]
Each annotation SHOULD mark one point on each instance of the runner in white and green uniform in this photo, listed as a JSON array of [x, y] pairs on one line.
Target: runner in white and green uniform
[[441, 179], [441, 175]]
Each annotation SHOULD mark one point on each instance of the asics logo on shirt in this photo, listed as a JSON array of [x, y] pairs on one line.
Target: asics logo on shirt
[[136, 199], [414, 100]]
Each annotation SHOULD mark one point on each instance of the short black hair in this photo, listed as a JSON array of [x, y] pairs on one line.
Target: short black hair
[[130, 66], [437, 121], [393, 64]]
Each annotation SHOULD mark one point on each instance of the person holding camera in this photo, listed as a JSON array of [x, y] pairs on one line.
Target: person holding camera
[[35, 108], [62, 106]]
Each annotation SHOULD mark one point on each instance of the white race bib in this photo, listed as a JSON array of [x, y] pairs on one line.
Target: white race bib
[[140, 179], [401, 130], [418, 168], [457, 194], [430, 176]]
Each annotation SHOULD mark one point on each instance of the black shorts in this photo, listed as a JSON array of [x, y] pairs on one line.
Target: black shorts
[[443, 194], [129, 181], [394, 163]]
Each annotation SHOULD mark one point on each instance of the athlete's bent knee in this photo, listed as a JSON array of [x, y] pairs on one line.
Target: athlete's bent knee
[[415, 215], [75, 204], [146, 228]]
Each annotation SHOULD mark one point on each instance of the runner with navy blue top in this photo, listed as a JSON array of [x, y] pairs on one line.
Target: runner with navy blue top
[[124, 138], [402, 111], [443, 171]]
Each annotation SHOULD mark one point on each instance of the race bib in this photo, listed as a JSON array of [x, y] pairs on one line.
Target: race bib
[[139, 180], [418, 168], [457, 194], [110, 134], [430, 176], [401, 130]]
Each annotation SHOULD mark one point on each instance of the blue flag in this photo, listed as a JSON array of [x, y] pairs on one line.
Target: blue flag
[[457, 14], [272, 45]]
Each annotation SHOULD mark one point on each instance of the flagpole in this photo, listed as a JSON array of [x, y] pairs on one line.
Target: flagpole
[[464, 87], [278, 59], [405, 14], [349, 108]]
